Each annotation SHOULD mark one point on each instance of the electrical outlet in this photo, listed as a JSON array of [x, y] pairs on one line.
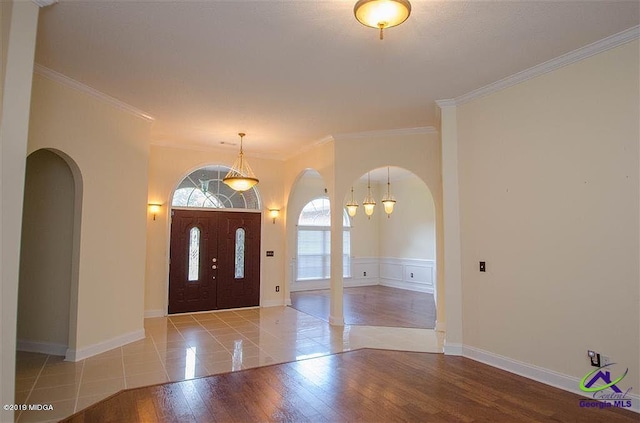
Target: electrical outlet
[[594, 357], [277, 288], [483, 266], [364, 273]]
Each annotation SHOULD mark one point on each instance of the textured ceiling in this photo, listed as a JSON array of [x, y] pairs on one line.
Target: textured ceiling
[[289, 73]]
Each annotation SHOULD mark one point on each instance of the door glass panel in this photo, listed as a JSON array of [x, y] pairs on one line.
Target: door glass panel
[[194, 254], [239, 273]]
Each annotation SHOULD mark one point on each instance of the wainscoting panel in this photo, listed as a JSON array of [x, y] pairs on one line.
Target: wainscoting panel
[[365, 268], [413, 274]]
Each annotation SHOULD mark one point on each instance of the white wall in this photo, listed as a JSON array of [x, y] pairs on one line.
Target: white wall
[[44, 291], [549, 198], [110, 147]]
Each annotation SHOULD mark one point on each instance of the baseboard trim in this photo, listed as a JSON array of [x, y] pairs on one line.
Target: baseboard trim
[[417, 287], [452, 349], [272, 303], [100, 347], [153, 313], [539, 374], [49, 348]]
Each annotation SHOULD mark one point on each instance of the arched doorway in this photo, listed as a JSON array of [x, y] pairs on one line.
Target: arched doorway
[[389, 260], [215, 244], [394, 251], [48, 281]]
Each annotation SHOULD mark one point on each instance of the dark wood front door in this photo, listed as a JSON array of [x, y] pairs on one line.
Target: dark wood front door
[[214, 260]]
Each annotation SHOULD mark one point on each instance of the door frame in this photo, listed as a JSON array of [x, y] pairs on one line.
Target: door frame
[[165, 301]]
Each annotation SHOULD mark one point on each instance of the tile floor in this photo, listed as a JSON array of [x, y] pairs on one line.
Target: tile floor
[[186, 346]]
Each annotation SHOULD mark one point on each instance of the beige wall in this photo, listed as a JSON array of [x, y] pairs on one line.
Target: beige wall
[[167, 167], [549, 199], [110, 147], [46, 251], [18, 47], [409, 232]]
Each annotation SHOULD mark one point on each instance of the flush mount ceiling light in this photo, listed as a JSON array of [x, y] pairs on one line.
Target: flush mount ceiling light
[[240, 177], [382, 13]]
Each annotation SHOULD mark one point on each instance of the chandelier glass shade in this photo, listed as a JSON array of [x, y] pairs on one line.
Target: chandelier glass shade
[[388, 201], [369, 203], [352, 206], [241, 176]]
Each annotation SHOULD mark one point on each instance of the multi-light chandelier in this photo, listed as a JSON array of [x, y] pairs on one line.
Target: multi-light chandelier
[[240, 177], [369, 203]]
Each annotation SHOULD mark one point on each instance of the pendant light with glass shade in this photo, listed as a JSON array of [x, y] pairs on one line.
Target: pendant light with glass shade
[[388, 201], [369, 203], [240, 178], [352, 206]]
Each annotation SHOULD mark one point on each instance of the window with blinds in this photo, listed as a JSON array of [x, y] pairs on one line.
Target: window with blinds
[[314, 242]]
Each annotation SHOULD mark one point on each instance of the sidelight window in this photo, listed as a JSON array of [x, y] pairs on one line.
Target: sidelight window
[[239, 259], [194, 254]]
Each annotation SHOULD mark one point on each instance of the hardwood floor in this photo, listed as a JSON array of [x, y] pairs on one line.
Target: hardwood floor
[[373, 306], [363, 385]]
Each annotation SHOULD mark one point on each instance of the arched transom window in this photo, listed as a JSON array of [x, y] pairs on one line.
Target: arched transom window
[[314, 241], [204, 188]]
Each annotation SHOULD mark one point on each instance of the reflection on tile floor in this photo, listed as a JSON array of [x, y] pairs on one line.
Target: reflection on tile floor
[[188, 346]]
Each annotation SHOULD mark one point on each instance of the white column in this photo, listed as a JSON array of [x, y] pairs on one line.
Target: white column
[[336, 312], [451, 223], [14, 127]]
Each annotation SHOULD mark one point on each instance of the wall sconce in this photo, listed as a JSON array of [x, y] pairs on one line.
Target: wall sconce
[[273, 213], [154, 209]]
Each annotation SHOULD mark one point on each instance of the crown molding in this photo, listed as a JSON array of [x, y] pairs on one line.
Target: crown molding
[[311, 146], [449, 102], [72, 83], [581, 53], [387, 132], [44, 3], [232, 151]]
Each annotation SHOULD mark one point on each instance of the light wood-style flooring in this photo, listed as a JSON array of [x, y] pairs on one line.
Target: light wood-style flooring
[[373, 306], [363, 386]]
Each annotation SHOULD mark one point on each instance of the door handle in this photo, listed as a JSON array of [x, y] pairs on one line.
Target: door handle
[[214, 259], [214, 267]]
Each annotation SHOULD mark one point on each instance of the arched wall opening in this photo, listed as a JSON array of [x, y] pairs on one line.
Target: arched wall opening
[[308, 186], [396, 250], [50, 250]]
